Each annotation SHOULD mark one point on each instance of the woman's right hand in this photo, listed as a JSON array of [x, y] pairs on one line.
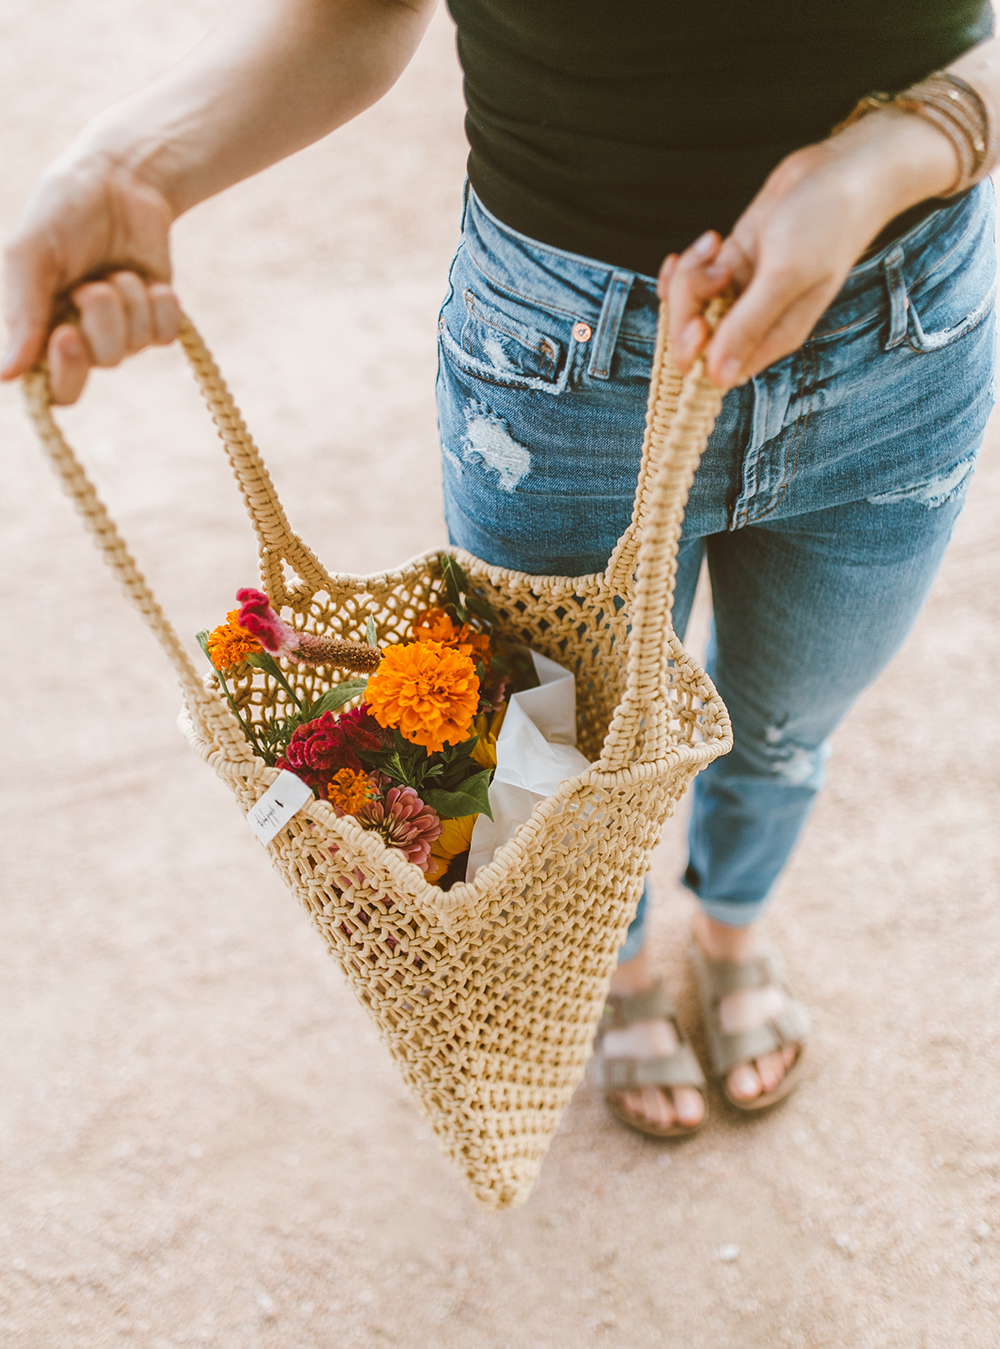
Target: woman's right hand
[[90, 255]]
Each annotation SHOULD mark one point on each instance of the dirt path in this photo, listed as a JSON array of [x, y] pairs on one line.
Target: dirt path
[[203, 1142]]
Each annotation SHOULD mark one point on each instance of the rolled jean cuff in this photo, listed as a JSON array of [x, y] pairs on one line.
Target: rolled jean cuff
[[731, 912]]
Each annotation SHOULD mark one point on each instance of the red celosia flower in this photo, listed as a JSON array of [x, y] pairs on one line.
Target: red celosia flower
[[362, 731], [257, 616], [317, 749], [322, 746], [404, 822]]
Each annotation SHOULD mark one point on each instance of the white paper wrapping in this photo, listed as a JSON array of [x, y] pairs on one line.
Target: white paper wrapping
[[536, 750]]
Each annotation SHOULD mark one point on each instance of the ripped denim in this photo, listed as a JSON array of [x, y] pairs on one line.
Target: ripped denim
[[823, 505]]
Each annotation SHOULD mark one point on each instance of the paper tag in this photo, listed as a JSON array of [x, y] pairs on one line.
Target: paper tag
[[283, 799]]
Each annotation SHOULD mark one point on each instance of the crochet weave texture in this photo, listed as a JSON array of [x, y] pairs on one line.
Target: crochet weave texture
[[487, 995]]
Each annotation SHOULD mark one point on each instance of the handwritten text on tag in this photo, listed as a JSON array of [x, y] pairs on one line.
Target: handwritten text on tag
[[283, 799]]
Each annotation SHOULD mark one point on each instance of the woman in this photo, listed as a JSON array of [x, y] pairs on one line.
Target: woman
[[608, 147]]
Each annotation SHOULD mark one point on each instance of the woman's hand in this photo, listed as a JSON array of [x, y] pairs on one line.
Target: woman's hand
[[92, 245], [89, 220], [791, 250]]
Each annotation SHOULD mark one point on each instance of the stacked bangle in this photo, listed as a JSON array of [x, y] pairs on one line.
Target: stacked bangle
[[955, 108]]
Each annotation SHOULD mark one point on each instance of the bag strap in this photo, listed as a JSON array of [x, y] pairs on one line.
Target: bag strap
[[680, 416], [276, 541], [210, 715]]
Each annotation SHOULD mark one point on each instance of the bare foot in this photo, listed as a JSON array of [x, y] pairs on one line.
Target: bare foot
[[746, 1009], [662, 1106]]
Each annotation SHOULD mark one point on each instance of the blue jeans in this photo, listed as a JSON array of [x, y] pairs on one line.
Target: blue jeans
[[823, 504]]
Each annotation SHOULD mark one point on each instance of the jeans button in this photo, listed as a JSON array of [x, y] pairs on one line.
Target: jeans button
[[582, 332]]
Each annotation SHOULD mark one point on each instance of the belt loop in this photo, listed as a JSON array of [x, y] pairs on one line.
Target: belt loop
[[899, 304], [466, 193], [608, 324]]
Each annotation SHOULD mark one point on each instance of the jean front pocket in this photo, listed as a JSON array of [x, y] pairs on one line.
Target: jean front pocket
[[495, 336], [921, 340], [952, 293]]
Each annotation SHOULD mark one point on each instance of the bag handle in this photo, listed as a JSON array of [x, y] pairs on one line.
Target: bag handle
[[679, 420], [211, 716], [276, 541], [665, 385], [680, 416]]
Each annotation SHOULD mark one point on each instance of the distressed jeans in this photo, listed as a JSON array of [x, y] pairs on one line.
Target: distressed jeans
[[823, 505]]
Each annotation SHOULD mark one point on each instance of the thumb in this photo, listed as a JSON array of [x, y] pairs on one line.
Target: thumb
[[29, 292]]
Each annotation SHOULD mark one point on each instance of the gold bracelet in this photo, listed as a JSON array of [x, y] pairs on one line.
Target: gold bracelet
[[954, 107]]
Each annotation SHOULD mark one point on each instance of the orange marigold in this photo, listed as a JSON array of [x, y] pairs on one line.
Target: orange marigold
[[428, 690], [435, 625], [348, 791], [228, 644]]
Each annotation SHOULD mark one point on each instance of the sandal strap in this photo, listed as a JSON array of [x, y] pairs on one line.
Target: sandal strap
[[620, 1011], [679, 1069], [721, 977], [716, 978], [789, 1027]]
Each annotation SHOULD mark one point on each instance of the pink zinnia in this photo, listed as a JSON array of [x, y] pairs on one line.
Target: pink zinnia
[[257, 616], [404, 822]]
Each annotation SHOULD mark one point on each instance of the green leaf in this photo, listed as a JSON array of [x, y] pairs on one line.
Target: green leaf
[[472, 798], [478, 606], [455, 584], [262, 660], [336, 697], [371, 632], [202, 639]]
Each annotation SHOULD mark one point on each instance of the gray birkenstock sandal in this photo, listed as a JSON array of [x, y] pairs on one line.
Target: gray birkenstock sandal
[[616, 1076], [717, 978]]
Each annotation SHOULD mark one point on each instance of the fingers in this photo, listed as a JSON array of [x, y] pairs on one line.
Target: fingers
[[771, 319], [688, 282], [166, 313], [117, 317], [69, 363], [103, 321]]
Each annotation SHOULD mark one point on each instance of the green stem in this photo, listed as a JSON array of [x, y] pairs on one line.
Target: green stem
[[289, 690], [248, 731]]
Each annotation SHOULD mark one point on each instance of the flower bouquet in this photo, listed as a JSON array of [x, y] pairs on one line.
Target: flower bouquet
[[408, 745]]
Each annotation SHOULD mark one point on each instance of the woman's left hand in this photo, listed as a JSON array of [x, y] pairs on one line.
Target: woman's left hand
[[791, 250]]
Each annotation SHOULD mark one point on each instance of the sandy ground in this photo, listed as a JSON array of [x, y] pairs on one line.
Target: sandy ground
[[203, 1141]]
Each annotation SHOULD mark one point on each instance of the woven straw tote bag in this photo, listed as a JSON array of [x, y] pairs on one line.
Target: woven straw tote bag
[[488, 995]]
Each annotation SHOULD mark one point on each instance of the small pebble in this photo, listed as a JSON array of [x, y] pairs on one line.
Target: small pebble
[[729, 1253]]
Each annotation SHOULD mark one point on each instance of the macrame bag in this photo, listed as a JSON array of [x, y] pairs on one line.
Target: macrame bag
[[488, 994]]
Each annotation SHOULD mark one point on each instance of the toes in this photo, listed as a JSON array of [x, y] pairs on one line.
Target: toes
[[657, 1107], [771, 1069], [651, 1105], [744, 1083], [689, 1105]]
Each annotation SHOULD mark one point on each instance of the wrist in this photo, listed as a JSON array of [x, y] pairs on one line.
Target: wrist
[[895, 160], [113, 148]]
